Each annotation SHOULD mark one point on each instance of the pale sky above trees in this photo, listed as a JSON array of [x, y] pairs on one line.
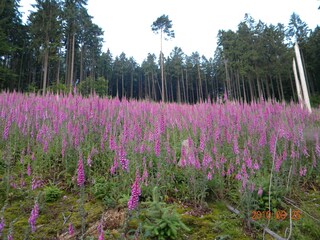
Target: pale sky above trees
[[127, 23]]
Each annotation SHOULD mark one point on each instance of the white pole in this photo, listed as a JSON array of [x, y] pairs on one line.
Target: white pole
[[297, 82], [302, 78]]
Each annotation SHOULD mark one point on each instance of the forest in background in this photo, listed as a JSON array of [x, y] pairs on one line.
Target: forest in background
[[60, 47]]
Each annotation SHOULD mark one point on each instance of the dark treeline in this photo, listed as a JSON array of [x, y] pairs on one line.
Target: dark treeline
[[60, 47]]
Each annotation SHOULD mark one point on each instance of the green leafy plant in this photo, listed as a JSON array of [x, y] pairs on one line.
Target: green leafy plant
[[161, 221], [107, 192], [52, 193]]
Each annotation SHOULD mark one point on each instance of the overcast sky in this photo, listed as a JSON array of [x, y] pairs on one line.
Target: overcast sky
[[127, 23]]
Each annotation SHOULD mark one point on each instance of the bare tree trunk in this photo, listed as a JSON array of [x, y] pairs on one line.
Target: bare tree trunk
[[281, 87], [273, 88], [251, 90], [309, 83], [162, 72], [183, 86], [217, 87], [166, 87], [197, 91], [122, 85], [206, 86], [238, 86], [278, 89], [45, 70], [20, 70], [244, 90], [268, 88], [72, 61], [153, 87], [227, 77], [292, 88], [117, 87], [259, 87], [192, 91], [131, 85], [187, 89], [200, 83], [172, 98], [149, 87], [58, 70], [67, 61], [140, 87], [81, 63], [178, 92]]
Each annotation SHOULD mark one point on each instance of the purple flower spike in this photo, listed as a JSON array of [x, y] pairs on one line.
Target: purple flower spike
[[135, 193], [81, 177]]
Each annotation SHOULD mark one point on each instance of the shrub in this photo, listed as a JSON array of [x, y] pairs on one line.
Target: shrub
[[52, 193], [162, 221]]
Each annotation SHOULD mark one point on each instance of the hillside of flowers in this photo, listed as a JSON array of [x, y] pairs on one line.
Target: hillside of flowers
[[92, 154]]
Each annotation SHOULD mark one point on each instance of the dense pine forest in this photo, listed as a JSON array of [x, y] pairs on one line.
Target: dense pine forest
[[176, 147], [60, 47]]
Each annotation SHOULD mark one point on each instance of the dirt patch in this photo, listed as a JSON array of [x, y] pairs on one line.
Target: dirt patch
[[111, 219]]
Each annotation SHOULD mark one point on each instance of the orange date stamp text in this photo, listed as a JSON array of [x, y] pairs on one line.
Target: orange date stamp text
[[278, 215]]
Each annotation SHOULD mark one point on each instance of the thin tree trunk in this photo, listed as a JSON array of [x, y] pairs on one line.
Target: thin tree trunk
[[149, 87], [244, 90], [67, 61], [178, 92], [166, 87], [197, 91], [292, 88], [171, 85], [122, 85], [200, 83], [183, 86], [45, 70], [279, 91], [45, 64], [206, 86], [281, 87], [58, 70], [267, 88], [72, 61], [238, 86], [192, 91], [140, 87], [272, 88], [81, 63], [187, 89], [227, 77], [251, 90], [259, 87], [20, 71], [309, 83], [131, 85], [117, 87], [162, 72]]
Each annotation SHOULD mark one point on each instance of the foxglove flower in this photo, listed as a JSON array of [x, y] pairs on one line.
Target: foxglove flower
[[101, 236], [29, 169], [33, 217], [70, 229], [1, 226], [123, 160], [81, 177], [135, 193], [157, 148]]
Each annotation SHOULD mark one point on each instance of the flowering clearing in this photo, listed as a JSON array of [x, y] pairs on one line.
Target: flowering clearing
[[116, 152]]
